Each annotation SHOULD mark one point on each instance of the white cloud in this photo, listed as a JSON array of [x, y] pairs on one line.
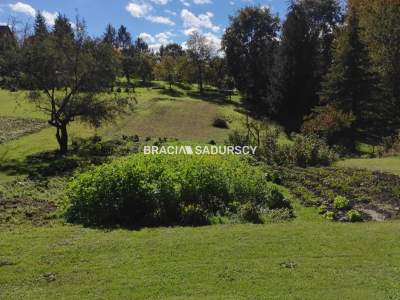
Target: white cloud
[[148, 38], [213, 40], [156, 41], [140, 9], [185, 3], [160, 2], [50, 17], [28, 10], [160, 20], [23, 8], [202, 1], [171, 12], [192, 22], [165, 38]]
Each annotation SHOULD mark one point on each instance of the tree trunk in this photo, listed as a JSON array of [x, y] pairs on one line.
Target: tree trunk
[[62, 138], [200, 80]]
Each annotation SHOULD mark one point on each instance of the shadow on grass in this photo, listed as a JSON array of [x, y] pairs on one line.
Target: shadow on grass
[[171, 92], [44, 165], [214, 96]]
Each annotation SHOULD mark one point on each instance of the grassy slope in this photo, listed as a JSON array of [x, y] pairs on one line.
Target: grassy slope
[[387, 164], [156, 115], [330, 260]]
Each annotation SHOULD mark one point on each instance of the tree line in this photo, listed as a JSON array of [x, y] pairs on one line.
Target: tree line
[[325, 69]]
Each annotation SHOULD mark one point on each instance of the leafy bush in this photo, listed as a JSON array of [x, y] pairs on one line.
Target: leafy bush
[[248, 212], [391, 144], [238, 139], [329, 215], [330, 124], [220, 123], [305, 151], [341, 202], [194, 215], [354, 216], [165, 190], [276, 200]]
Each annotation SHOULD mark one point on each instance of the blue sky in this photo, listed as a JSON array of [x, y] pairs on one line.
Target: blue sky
[[157, 21]]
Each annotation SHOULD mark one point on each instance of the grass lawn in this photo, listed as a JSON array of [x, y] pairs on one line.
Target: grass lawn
[[297, 260], [386, 164], [184, 115]]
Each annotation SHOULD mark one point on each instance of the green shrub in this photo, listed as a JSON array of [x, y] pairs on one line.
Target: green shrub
[[277, 200], [238, 139], [308, 151], [249, 212], [144, 190], [330, 124], [305, 151], [329, 215], [194, 215], [322, 209], [220, 123], [341, 202], [354, 216]]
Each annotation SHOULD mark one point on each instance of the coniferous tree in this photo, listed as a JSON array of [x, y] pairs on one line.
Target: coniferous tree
[[304, 58], [124, 38], [110, 36], [141, 46], [350, 84], [40, 27], [380, 21]]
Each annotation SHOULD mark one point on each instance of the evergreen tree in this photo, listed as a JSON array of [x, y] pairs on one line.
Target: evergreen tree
[[141, 46], [304, 58], [40, 27], [380, 21], [124, 38], [350, 84], [110, 36]]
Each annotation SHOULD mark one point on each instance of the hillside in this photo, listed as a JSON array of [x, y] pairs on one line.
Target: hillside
[[308, 257]]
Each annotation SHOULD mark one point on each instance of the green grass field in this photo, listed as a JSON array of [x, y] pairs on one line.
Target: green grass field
[[385, 164], [298, 260], [306, 258], [156, 115]]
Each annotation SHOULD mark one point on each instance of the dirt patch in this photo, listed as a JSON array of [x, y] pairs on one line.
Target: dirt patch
[[38, 212], [14, 128]]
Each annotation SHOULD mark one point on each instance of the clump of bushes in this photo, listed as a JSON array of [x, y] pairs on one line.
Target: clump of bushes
[[354, 216], [304, 150], [168, 190], [331, 124], [341, 202], [220, 122]]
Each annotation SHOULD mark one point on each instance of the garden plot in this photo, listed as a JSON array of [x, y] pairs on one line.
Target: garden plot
[[14, 128]]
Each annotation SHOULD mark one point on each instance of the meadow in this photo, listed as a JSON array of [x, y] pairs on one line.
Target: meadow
[[307, 257]]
